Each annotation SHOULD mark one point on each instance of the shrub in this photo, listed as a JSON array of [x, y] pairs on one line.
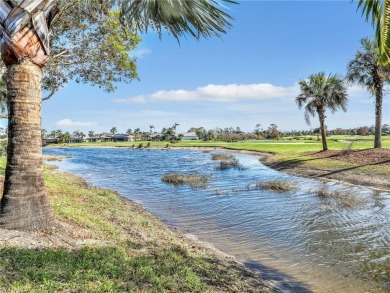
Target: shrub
[[222, 157], [193, 180], [346, 199], [141, 145], [148, 144], [231, 163], [167, 145], [133, 146], [276, 185]]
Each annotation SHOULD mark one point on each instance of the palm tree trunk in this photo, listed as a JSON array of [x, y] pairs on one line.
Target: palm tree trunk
[[24, 204], [378, 117], [321, 115]]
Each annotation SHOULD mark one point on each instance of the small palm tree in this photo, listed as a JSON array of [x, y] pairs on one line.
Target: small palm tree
[[366, 71], [319, 92], [113, 130]]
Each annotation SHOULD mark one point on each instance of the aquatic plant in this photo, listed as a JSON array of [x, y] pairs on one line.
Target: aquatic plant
[[341, 198], [217, 157], [277, 185], [193, 180]]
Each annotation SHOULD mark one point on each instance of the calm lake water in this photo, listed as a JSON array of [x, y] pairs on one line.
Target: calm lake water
[[304, 243]]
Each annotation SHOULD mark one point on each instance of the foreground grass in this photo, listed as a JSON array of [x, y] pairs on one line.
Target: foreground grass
[[134, 251]]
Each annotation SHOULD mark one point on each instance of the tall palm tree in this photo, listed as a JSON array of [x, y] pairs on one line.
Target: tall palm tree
[[379, 15], [113, 130], [151, 128], [366, 71], [25, 49], [320, 92]]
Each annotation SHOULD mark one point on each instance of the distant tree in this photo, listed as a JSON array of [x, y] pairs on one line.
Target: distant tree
[[43, 133], [365, 70], [91, 133], [320, 92], [137, 133], [151, 128], [257, 130], [273, 131], [317, 131], [362, 131], [113, 130], [174, 127], [129, 131]]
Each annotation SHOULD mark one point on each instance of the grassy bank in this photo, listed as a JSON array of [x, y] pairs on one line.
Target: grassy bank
[[115, 246]]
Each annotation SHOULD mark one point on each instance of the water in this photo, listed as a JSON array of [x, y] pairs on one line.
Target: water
[[302, 242]]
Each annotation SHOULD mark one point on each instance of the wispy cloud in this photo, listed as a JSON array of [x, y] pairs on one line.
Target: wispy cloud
[[140, 53], [68, 122], [219, 93]]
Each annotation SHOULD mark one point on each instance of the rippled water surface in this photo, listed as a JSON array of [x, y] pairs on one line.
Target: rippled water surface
[[301, 241]]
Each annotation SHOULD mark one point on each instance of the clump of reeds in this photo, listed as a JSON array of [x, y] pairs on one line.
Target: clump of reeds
[[193, 180], [231, 163], [342, 198], [217, 157], [55, 158], [276, 185]]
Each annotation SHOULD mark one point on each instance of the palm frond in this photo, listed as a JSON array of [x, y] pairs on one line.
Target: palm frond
[[197, 18]]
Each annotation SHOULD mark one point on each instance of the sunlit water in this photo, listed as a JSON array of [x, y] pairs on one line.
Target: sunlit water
[[302, 242]]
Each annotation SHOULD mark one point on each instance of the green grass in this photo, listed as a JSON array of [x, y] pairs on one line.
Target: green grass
[[137, 252]]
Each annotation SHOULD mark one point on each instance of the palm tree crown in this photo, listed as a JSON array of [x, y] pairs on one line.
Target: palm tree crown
[[320, 91], [198, 18]]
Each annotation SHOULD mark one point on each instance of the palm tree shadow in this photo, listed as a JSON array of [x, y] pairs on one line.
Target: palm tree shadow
[[284, 281]]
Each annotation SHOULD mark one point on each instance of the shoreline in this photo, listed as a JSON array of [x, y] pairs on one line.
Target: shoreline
[[349, 176], [133, 229]]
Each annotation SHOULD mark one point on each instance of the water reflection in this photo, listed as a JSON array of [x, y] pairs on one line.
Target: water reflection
[[302, 241]]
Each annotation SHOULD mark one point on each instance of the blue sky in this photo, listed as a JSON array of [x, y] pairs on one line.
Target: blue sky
[[249, 76]]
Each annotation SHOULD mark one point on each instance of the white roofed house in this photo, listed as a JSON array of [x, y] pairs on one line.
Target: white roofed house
[[188, 136]]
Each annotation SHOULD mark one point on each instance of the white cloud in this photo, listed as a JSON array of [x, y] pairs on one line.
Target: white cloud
[[135, 100], [140, 53], [220, 93], [68, 122]]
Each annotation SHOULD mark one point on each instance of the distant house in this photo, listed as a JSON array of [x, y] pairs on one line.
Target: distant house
[[188, 136], [50, 140], [122, 137], [93, 139], [76, 139]]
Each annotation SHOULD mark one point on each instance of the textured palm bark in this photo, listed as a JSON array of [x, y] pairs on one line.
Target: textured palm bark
[[378, 116], [24, 204], [321, 115]]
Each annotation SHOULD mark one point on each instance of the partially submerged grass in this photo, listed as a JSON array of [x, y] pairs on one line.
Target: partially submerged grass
[[341, 198], [134, 251], [276, 185], [230, 163], [217, 157], [55, 158], [193, 180]]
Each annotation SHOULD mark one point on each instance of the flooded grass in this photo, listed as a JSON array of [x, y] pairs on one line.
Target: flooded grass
[[276, 185], [193, 180], [226, 157], [345, 199], [231, 163], [55, 158]]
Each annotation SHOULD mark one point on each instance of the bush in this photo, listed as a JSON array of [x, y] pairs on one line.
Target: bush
[[222, 157], [167, 145], [231, 163], [141, 145], [133, 146], [276, 185], [193, 180], [148, 144], [346, 199]]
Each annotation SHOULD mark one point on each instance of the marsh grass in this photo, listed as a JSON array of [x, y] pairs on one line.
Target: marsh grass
[[229, 163], [137, 252], [55, 158], [226, 157], [193, 180], [340, 198], [277, 185]]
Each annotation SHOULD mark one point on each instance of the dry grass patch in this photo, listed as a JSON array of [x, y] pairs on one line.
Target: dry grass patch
[[276, 185], [341, 198], [193, 180], [217, 157], [231, 163]]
